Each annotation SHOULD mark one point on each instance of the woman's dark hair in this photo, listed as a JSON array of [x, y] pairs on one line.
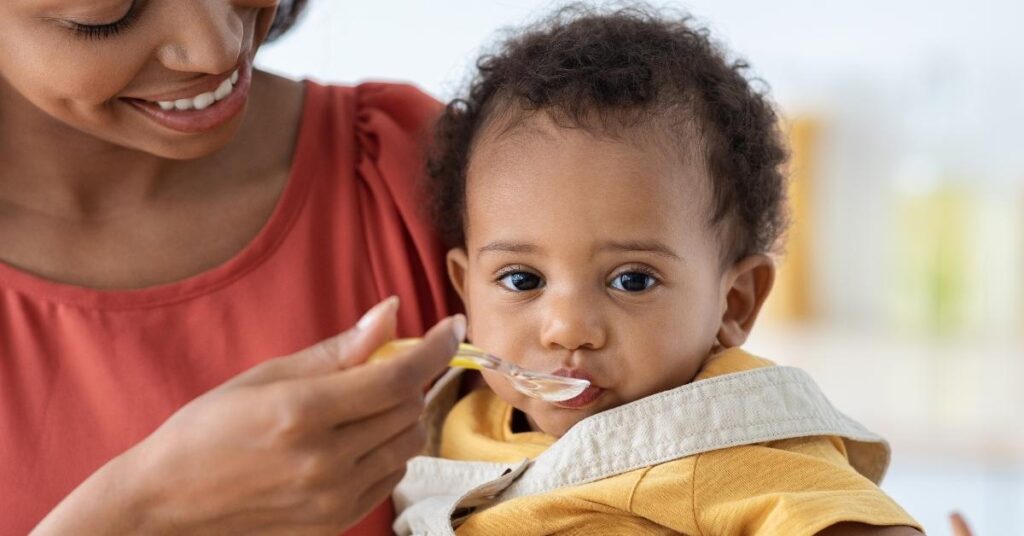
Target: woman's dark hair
[[287, 14], [630, 67]]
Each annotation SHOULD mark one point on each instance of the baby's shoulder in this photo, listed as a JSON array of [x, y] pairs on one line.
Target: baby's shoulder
[[767, 465]]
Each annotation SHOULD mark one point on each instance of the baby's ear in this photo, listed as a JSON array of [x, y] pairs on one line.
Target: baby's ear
[[745, 288], [458, 266]]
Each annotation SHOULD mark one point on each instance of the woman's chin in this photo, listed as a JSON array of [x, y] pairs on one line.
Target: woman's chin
[[185, 147]]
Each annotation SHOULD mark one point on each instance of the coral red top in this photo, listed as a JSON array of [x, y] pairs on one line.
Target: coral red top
[[85, 374]]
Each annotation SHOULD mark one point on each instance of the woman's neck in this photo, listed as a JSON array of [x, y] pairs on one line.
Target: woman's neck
[[55, 169], [52, 168], [80, 211]]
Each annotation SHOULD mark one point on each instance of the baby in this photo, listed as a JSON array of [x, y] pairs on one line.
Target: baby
[[611, 187]]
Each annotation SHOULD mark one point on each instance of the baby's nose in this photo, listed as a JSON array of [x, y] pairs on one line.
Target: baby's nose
[[572, 321]]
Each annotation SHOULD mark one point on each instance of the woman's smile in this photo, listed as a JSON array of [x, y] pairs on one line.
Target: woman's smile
[[206, 105]]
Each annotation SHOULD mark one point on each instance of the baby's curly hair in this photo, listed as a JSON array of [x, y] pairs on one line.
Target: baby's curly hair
[[591, 69]]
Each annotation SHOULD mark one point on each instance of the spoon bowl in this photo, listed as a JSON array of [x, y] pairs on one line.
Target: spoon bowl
[[539, 385]]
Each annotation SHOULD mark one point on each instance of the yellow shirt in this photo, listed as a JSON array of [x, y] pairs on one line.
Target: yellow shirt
[[789, 487]]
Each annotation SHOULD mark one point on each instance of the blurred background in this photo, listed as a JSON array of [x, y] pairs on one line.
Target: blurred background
[[902, 290]]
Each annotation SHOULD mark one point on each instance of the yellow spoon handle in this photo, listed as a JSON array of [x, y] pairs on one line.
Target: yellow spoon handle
[[462, 359]]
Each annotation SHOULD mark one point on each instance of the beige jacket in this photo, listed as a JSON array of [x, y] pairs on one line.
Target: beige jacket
[[744, 408]]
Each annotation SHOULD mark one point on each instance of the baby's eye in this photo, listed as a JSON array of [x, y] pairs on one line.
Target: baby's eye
[[633, 281], [521, 281]]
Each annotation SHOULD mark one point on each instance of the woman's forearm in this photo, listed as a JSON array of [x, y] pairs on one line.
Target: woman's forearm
[[111, 501]]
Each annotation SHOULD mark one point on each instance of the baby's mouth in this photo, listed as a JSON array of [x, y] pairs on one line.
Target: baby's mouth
[[574, 373], [588, 396]]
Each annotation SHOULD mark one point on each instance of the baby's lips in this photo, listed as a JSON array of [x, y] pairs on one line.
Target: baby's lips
[[575, 373]]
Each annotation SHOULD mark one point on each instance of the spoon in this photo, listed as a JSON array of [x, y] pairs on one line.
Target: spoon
[[539, 385]]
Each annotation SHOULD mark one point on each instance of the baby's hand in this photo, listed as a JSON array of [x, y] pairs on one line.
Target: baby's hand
[[960, 527]]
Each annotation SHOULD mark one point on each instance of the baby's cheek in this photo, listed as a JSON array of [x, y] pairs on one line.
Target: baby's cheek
[[500, 385], [674, 369]]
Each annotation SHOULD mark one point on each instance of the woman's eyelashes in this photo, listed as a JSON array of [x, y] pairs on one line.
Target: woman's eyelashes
[[634, 280], [103, 31]]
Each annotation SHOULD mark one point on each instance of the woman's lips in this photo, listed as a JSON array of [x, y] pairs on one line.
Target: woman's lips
[[194, 120], [589, 395]]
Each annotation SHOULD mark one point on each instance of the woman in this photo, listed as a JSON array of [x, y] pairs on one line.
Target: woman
[[172, 223]]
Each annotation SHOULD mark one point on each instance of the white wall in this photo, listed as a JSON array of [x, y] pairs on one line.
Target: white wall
[[905, 88]]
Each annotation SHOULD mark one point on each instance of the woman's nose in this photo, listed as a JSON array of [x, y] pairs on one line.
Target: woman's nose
[[208, 37], [572, 321]]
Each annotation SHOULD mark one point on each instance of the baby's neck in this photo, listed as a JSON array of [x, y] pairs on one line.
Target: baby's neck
[[521, 422]]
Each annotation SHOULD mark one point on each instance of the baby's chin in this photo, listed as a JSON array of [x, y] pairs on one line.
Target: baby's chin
[[557, 429], [544, 416], [554, 421]]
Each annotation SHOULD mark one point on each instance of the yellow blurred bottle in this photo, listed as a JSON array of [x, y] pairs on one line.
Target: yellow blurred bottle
[[791, 300]]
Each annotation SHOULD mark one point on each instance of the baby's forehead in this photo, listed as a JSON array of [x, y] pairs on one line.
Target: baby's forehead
[[510, 137], [537, 158], [675, 137]]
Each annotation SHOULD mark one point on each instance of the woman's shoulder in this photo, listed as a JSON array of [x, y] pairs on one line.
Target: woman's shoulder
[[408, 106], [378, 130], [379, 107], [361, 152]]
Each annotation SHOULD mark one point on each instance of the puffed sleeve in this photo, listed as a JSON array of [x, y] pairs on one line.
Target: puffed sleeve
[[393, 126]]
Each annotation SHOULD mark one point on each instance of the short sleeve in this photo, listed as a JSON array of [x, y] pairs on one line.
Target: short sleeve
[[796, 486]]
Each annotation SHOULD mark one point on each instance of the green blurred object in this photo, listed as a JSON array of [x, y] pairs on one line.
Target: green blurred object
[[933, 251]]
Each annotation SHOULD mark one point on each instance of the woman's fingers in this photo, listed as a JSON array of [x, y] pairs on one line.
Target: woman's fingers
[[380, 491], [310, 441], [389, 459], [359, 484], [362, 436], [393, 452], [359, 392]]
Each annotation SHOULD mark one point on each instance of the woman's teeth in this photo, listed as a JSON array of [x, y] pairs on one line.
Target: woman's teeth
[[203, 100]]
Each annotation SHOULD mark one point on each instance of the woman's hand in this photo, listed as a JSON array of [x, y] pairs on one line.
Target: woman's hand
[[307, 443]]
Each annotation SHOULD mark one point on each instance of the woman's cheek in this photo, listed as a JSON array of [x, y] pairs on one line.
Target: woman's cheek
[[266, 5], [88, 77]]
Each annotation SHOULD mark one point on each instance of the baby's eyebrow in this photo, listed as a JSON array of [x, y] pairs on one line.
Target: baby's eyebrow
[[654, 247], [509, 247]]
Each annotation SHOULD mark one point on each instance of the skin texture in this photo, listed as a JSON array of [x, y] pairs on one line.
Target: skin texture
[[94, 193], [600, 210]]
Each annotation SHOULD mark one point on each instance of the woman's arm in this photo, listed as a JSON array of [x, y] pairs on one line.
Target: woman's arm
[[307, 443]]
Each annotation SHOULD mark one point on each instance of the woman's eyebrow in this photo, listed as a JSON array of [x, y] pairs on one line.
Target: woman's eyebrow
[[507, 247], [654, 247]]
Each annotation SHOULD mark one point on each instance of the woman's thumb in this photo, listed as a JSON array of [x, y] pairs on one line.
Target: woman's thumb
[[348, 349], [353, 347]]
